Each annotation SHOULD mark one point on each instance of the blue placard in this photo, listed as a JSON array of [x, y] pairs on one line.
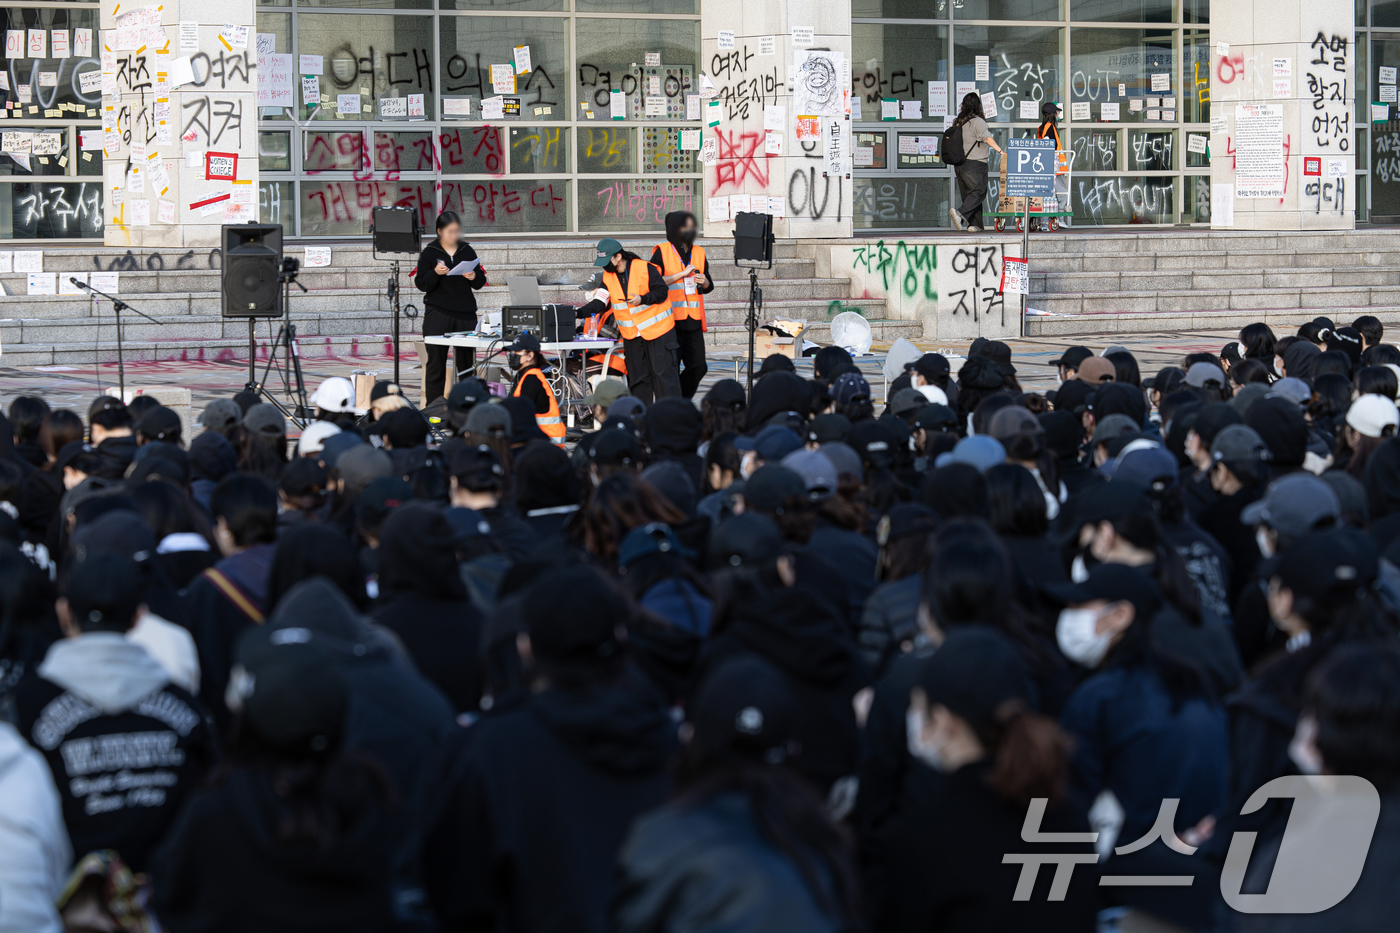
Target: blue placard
[[1030, 168]]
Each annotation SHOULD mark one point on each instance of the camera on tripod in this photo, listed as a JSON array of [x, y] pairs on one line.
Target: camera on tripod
[[290, 267]]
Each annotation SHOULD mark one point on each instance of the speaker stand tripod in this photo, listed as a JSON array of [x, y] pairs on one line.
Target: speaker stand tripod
[[286, 342], [394, 301]]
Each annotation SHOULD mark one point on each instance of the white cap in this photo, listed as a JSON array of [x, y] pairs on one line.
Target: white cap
[[335, 394], [1372, 414], [313, 439], [934, 394]]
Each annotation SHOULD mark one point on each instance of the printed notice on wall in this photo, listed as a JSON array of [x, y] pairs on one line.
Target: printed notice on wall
[[982, 67], [726, 39], [937, 98], [1259, 151]]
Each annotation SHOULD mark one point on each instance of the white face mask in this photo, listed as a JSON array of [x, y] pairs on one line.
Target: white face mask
[[1261, 538], [1078, 570], [930, 753], [1077, 635]]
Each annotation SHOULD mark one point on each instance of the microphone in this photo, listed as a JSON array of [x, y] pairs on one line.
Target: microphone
[[83, 285]]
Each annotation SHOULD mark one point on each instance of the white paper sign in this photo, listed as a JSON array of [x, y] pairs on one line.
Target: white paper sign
[[911, 110], [803, 36], [982, 67], [1283, 87], [165, 212], [1222, 49], [1387, 93], [692, 106], [864, 157], [655, 106], [1337, 168], [60, 43], [14, 43], [773, 143], [105, 282], [690, 140], [777, 206], [310, 90], [1386, 75], [1283, 67], [1259, 165], [29, 260], [709, 152], [82, 43], [726, 38], [38, 48], [317, 257], [347, 104], [1079, 110], [1108, 112], [739, 204], [989, 105], [1195, 142], [1219, 123], [521, 54], [415, 106], [309, 64], [1162, 81], [767, 45], [963, 89], [937, 98], [90, 82], [775, 117], [42, 283], [393, 107], [65, 283], [189, 36], [7, 260], [457, 106], [718, 209], [503, 79], [235, 36], [617, 105], [1030, 110], [1015, 276], [493, 108]]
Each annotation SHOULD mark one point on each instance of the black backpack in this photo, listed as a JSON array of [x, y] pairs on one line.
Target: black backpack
[[951, 149]]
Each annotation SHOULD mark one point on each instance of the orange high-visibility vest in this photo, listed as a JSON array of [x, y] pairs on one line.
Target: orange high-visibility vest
[[646, 321], [550, 422], [686, 300], [591, 326]]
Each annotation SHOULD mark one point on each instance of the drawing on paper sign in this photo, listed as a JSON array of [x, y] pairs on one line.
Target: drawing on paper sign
[[818, 84], [220, 165]]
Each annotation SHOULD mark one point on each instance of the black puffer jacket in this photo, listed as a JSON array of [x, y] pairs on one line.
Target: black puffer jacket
[[708, 867], [452, 295]]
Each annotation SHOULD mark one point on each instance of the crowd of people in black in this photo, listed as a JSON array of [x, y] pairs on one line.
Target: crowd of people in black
[[792, 660]]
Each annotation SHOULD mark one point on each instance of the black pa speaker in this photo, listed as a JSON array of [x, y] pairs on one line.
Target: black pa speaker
[[395, 230], [753, 238], [252, 258]]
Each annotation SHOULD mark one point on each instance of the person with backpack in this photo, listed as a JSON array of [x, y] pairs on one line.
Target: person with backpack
[[967, 145], [1050, 129]]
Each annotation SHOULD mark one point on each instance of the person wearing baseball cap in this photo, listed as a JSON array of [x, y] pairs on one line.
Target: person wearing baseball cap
[[528, 364], [1096, 370], [546, 791], [334, 401], [159, 425], [1238, 473], [1067, 366], [744, 741], [1370, 422], [770, 445], [477, 482], [640, 302], [221, 414]]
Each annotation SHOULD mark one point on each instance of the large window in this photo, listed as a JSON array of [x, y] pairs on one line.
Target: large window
[[1132, 81], [428, 111]]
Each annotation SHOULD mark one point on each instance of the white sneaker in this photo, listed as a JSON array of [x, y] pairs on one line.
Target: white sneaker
[[974, 229], [957, 219]]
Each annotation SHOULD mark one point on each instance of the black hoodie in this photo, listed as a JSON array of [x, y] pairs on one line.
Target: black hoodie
[[224, 868], [540, 800], [674, 221], [396, 715], [775, 393], [808, 640]]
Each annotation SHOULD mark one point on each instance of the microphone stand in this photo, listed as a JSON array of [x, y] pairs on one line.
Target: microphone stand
[[118, 306]]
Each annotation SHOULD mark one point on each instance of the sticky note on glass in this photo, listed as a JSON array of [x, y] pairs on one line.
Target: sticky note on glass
[[522, 59], [457, 107], [889, 109], [347, 104], [911, 110], [690, 140]]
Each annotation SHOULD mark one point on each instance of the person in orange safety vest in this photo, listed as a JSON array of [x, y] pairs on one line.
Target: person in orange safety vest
[[640, 302], [686, 270], [525, 358]]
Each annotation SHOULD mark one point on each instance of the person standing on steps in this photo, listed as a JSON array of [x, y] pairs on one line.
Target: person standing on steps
[[1050, 129], [449, 301], [641, 304], [686, 270], [977, 143]]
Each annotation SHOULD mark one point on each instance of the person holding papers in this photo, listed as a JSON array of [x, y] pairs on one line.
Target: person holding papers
[[640, 301], [687, 272], [449, 274]]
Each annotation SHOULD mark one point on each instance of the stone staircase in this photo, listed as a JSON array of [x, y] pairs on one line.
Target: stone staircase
[[346, 312], [1125, 282]]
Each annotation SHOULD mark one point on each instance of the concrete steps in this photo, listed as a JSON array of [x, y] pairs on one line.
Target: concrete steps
[[1141, 282], [346, 312]]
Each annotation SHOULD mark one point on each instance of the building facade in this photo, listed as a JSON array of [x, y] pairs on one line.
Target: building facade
[[588, 117]]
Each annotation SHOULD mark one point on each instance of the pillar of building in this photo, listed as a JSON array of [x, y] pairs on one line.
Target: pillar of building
[[1283, 115], [180, 120], [794, 55]]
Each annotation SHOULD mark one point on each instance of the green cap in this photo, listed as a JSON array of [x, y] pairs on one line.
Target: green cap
[[607, 392], [607, 249]]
